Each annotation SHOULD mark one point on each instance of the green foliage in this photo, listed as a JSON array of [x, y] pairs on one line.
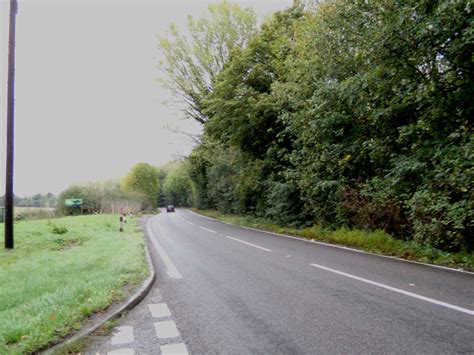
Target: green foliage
[[57, 229], [88, 194], [192, 60], [244, 152], [357, 115], [224, 179], [143, 178], [439, 222], [102, 197], [385, 122], [283, 205], [177, 187]]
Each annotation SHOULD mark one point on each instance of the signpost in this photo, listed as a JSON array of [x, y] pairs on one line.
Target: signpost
[[73, 202]]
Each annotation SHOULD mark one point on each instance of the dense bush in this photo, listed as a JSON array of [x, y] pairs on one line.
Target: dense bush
[[356, 114], [101, 197], [177, 187]]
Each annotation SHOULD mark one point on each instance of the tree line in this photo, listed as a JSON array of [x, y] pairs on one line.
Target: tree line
[[38, 200], [343, 114], [144, 188]]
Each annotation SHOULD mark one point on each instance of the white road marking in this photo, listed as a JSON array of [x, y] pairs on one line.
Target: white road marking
[[209, 230], [181, 218], [166, 329], [191, 223], [123, 336], [126, 351], [394, 289], [179, 348], [171, 270], [159, 310], [250, 244], [301, 239]]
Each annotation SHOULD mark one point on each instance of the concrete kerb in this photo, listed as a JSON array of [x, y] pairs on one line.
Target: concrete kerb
[[338, 246], [131, 302]]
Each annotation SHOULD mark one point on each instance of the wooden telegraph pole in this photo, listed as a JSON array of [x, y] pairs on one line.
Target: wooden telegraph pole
[[10, 128]]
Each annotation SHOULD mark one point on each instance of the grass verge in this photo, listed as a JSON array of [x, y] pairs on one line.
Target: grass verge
[[377, 242], [61, 272]]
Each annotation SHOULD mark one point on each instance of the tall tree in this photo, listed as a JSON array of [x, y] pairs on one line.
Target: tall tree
[[177, 186], [192, 59], [143, 178]]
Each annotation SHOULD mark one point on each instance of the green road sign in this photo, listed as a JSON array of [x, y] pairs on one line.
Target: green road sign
[[73, 202]]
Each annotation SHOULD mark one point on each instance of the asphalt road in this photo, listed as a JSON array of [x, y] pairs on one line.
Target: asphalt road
[[237, 291]]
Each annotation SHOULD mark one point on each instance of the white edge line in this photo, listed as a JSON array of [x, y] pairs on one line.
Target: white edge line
[[171, 270], [337, 246], [209, 230], [250, 244], [394, 289]]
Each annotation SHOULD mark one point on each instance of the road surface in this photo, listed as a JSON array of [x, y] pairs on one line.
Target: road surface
[[229, 290]]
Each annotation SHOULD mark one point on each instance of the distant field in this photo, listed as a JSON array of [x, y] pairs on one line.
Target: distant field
[[62, 271], [33, 212]]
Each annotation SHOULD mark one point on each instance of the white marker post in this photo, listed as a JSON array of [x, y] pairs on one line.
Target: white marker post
[[121, 223]]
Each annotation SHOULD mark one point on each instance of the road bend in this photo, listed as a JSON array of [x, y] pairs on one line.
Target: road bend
[[232, 290]]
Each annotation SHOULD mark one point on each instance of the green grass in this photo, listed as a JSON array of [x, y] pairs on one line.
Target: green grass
[[60, 272], [377, 242]]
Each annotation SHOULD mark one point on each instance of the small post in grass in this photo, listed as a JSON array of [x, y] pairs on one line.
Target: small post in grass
[[121, 223]]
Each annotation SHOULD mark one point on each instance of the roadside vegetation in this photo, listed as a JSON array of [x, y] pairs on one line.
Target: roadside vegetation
[[62, 271], [22, 213], [348, 115], [142, 190]]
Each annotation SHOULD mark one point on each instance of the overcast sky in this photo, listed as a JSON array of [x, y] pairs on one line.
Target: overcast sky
[[87, 107]]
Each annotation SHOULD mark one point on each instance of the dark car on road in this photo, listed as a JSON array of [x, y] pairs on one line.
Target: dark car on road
[[170, 208]]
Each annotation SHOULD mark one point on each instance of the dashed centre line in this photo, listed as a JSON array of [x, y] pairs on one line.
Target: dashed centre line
[[247, 243], [209, 230], [394, 289]]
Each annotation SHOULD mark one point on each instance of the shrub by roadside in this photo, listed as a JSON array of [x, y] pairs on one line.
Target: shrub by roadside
[[377, 242], [62, 271]]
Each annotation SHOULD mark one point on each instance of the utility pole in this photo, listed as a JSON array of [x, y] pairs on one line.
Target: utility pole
[[10, 128]]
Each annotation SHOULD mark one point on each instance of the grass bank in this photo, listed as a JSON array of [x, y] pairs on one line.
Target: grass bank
[[377, 242], [60, 272]]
